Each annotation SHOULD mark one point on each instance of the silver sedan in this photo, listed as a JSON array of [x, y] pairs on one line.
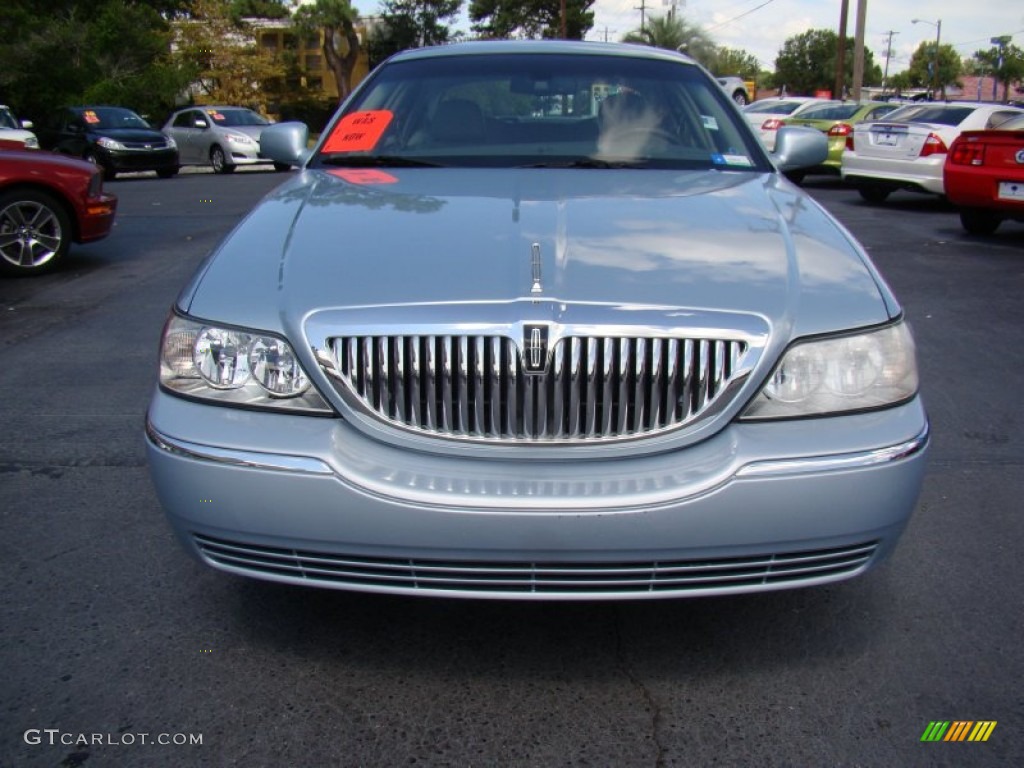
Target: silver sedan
[[221, 137], [539, 320]]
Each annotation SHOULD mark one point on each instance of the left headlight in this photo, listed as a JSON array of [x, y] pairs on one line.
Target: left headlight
[[855, 372], [234, 366]]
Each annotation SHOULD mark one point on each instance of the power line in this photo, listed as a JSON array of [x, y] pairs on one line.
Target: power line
[[736, 18]]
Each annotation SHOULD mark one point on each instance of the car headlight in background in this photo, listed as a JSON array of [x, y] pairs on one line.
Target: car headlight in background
[[106, 143], [234, 366], [239, 138], [829, 376]]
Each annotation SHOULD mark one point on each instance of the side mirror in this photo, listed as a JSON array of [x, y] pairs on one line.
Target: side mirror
[[26, 124], [201, 124], [797, 147], [286, 143]]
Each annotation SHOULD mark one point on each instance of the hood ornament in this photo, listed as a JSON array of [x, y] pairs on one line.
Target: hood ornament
[[537, 288]]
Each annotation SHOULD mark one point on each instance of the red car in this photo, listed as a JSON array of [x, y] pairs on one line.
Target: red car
[[47, 202], [984, 176]]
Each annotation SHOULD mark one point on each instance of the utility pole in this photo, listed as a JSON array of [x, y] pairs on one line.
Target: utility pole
[[1002, 41], [643, 11], [888, 54], [844, 12], [858, 48]]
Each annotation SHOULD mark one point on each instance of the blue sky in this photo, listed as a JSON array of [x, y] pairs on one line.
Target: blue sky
[[762, 27]]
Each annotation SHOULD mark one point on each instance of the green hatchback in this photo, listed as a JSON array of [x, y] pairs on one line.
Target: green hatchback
[[836, 119]]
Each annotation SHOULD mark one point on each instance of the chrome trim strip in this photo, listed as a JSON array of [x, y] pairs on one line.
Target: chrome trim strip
[[837, 462], [252, 459]]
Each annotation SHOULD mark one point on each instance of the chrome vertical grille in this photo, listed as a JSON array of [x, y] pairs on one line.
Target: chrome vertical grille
[[593, 388]]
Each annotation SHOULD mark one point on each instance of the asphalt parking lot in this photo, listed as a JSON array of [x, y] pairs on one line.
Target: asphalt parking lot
[[110, 635]]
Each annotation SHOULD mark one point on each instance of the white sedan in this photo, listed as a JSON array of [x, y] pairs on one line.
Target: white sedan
[[907, 149], [766, 115]]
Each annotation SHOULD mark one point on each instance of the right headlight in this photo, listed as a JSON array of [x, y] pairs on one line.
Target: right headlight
[[855, 372], [235, 366]]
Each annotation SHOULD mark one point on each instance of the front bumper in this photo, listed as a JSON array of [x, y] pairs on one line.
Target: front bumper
[[97, 218], [758, 507], [128, 160]]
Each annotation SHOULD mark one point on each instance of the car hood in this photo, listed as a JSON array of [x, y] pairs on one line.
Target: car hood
[[736, 242], [129, 134]]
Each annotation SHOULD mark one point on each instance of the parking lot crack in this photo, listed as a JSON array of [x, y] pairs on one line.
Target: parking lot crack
[[651, 704]]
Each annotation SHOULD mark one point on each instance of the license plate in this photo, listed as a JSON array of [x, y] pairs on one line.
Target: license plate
[[1011, 190], [886, 139]]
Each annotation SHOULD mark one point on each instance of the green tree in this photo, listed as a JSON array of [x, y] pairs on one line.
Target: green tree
[[734, 61], [257, 9], [219, 50], [335, 21], [922, 64], [1006, 63], [411, 24], [116, 51], [807, 62], [674, 33], [502, 19]]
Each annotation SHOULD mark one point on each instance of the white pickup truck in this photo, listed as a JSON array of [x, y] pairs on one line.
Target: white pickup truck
[[736, 88]]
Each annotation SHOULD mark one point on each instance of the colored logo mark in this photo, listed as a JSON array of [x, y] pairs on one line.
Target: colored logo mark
[[958, 730]]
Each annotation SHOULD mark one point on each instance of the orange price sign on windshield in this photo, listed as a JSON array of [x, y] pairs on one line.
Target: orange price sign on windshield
[[358, 132]]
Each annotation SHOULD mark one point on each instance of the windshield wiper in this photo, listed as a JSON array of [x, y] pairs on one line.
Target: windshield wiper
[[376, 161], [588, 162]]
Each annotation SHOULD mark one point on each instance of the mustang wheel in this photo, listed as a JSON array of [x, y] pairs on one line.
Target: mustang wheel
[[35, 232], [219, 161], [979, 222]]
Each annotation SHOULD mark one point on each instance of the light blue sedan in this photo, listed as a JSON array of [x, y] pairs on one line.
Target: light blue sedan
[[539, 320]]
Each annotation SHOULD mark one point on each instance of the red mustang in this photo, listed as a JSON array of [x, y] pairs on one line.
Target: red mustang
[[984, 176], [47, 202]]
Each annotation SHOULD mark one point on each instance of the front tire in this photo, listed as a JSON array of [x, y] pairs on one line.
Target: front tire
[[979, 222], [166, 173], [35, 232], [219, 161], [282, 167], [874, 194]]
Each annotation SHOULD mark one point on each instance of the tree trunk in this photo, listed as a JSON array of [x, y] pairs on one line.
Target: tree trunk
[[341, 66]]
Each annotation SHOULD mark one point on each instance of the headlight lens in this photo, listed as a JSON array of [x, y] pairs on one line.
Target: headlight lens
[[106, 143], [232, 365], [847, 373]]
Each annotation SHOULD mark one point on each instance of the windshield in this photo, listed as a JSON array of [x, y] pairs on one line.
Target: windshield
[[7, 119], [236, 117], [112, 117], [939, 114], [831, 112], [542, 110], [774, 107]]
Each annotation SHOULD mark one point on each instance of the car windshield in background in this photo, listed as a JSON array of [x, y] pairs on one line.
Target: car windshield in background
[[236, 117], [938, 114], [542, 111], [112, 117], [831, 112], [7, 119], [774, 107]]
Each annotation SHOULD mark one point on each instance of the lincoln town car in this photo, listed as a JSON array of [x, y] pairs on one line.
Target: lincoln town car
[[538, 320]]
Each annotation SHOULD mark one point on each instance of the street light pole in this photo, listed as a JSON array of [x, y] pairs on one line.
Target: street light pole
[[935, 59]]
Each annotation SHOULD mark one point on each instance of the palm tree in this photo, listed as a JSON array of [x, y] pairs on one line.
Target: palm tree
[[676, 34]]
